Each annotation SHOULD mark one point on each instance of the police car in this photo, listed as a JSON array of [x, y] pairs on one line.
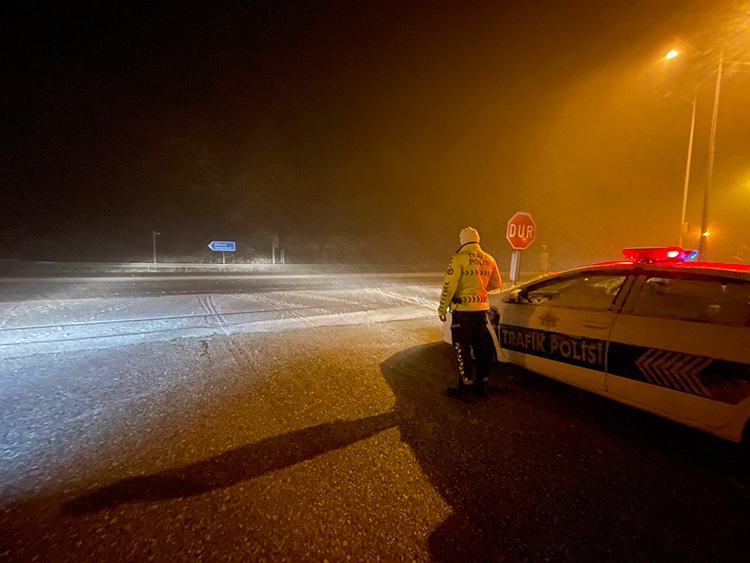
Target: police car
[[658, 332]]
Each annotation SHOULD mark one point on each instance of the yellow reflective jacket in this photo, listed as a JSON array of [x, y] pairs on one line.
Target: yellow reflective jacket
[[471, 274]]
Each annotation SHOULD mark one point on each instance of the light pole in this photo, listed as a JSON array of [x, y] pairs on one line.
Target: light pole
[[683, 224], [154, 234], [702, 242], [671, 55]]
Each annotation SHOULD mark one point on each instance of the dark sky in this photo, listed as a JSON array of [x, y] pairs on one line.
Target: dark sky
[[366, 131]]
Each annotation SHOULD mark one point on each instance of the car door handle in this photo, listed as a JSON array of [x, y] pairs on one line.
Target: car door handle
[[592, 324]]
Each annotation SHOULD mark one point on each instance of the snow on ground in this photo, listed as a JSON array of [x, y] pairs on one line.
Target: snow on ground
[[50, 326]]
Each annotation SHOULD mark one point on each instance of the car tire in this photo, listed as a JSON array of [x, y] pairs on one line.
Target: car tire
[[745, 453]]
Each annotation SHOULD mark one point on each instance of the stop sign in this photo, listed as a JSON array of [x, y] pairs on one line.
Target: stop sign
[[521, 230]]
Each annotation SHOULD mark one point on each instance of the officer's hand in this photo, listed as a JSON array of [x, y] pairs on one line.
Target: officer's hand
[[443, 318]]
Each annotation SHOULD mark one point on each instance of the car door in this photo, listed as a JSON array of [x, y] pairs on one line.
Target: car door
[[681, 345], [559, 326]]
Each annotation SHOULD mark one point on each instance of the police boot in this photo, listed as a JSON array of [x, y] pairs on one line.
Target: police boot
[[462, 392], [480, 388]]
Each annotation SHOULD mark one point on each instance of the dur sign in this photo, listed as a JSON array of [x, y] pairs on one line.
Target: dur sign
[[521, 230]]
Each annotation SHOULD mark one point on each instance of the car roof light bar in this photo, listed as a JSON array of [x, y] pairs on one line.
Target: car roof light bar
[[659, 254]]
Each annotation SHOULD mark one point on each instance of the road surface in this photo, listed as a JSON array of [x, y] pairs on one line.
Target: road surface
[[325, 435]]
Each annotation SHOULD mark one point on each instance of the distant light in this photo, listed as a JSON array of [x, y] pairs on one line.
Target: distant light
[[672, 54], [705, 234]]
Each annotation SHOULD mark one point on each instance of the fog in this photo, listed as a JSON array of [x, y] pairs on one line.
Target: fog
[[370, 132]]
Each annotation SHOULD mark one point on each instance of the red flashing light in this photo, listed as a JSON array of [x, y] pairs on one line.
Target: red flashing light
[[650, 255]]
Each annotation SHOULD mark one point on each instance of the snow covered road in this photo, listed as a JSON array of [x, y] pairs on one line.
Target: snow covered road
[[56, 324]]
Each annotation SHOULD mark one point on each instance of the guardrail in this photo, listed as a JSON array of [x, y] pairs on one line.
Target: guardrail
[[12, 268], [17, 268]]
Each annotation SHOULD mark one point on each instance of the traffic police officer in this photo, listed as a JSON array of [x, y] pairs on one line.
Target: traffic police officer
[[471, 274]]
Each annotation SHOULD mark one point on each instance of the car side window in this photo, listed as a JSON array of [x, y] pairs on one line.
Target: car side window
[[705, 299], [594, 292]]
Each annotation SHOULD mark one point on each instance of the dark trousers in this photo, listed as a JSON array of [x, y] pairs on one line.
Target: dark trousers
[[470, 333]]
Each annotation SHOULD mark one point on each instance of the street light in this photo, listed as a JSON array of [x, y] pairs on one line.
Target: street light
[[702, 240]]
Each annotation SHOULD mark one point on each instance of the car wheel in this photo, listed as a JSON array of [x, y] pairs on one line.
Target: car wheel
[[745, 453]]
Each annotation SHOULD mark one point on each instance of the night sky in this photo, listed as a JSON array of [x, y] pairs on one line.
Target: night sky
[[367, 131]]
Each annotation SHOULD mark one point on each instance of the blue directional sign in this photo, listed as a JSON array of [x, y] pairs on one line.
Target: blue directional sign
[[222, 245]]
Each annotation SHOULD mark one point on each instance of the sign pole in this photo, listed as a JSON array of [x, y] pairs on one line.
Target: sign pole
[[274, 246], [515, 266], [154, 234], [223, 257]]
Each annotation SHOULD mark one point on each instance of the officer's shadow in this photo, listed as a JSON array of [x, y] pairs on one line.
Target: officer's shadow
[[235, 466]]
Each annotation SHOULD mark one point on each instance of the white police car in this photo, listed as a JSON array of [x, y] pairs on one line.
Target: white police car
[[658, 332]]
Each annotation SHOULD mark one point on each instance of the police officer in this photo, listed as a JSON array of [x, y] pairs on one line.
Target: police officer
[[471, 274], [544, 260]]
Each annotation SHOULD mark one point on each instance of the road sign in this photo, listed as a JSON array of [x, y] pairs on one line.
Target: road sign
[[222, 246], [521, 230]]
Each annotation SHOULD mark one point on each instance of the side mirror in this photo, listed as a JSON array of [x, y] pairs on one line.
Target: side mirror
[[516, 297]]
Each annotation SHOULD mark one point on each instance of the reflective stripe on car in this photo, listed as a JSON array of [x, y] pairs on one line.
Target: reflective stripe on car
[[716, 379], [720, 380]]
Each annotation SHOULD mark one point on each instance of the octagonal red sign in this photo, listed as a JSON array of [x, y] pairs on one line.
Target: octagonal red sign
[[521, 230]]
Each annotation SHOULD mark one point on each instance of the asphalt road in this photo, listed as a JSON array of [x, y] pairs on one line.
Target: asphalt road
[[321, 442]]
